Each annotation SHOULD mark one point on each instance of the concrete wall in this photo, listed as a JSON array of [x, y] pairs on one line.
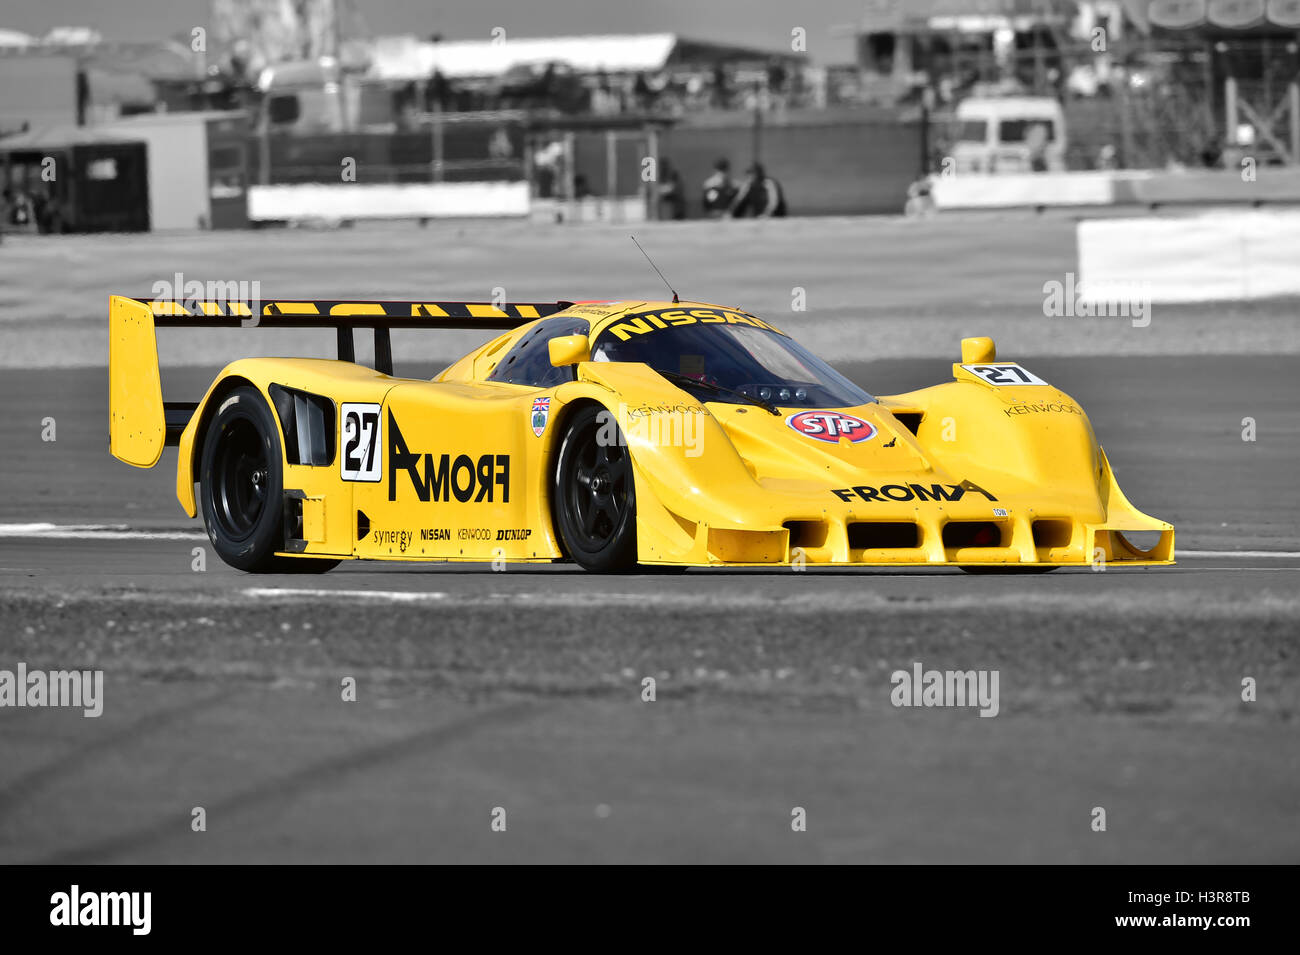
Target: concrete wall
[[1227, 256], [1133, 187], [178, 167], [832, 167], [356, 200], [828, 165], [1019, 190]]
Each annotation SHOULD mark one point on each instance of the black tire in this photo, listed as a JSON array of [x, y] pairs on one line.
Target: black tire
[[594, 495], [241, 487]]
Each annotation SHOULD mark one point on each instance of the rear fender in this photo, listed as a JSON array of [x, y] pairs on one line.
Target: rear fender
[[326, 500]]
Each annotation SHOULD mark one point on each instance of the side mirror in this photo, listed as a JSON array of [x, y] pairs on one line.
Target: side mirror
[[569, 350], [977, 350]]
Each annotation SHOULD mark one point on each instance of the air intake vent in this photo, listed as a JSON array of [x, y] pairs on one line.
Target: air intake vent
[[891, 535], [809, 535], [972, 534], [1052, 533], [911, 420]]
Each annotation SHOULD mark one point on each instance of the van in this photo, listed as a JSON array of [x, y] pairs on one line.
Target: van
[[997, 135], [308, 96]]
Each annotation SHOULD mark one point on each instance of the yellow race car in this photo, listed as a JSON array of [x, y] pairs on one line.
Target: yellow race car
[[615, 435]]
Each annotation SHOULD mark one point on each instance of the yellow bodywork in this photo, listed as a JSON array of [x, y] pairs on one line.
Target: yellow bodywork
[[985, 469]]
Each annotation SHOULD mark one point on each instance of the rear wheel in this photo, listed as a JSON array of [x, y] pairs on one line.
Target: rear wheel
[[595, 495], [241, 487]]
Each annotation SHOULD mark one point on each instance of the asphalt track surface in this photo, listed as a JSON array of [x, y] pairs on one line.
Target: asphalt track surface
[[523, 689]]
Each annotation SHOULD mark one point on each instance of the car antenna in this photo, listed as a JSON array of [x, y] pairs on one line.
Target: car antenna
[[656, 268]]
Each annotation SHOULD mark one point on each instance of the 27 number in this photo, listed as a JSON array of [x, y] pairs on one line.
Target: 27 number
[[1002, 375], [360, 437]]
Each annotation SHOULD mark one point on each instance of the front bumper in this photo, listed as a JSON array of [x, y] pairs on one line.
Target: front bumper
[[1035, 539]]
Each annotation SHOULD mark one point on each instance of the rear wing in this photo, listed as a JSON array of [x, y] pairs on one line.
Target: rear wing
[[141, 424]]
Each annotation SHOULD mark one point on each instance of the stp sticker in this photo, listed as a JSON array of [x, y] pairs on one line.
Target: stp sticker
[[541, 411], [830, 426]]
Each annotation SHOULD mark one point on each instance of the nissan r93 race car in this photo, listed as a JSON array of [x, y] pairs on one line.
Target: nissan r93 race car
[[615, 435]]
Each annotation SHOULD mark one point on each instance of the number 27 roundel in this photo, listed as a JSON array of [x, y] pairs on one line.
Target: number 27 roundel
[[359, 425]]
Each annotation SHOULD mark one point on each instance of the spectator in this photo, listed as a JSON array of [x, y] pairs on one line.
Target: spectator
[[604, 103], [437, 92], [21, 211], [641, 93], [405, 105], [40, 207], [1212, 153], [695, 95], [499, 145], [719, 190], [776, 84], [761, 196], [1036, 143], [547, 164], [672, 198], [920, 200], [721, 87]]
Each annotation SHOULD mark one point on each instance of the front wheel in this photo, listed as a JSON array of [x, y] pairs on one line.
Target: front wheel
[[595, 494]]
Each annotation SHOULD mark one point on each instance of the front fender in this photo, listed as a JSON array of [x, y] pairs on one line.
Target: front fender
[[689, 476], [1020, 439]]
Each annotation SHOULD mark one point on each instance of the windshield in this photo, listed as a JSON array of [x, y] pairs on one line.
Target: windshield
[[1017, 130], [757, 362]]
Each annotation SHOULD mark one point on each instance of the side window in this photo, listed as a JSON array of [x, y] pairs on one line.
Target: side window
[[1017, 130], [973, 131], [529, 362]]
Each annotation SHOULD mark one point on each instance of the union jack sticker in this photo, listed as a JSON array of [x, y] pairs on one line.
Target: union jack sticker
[[541, 412]]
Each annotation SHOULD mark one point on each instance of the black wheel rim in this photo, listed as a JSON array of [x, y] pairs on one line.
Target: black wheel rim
[[598, 490], [240, 476]]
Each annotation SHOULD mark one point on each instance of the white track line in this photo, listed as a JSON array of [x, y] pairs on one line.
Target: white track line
[[410, 596], [92, 532], [816, 600], [1279, 554]]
